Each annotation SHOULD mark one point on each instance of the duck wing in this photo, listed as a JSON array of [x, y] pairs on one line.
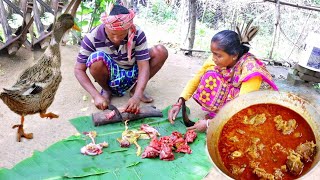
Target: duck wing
[[32, 80]]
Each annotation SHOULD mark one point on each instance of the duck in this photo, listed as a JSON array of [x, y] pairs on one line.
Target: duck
[[37, 85]]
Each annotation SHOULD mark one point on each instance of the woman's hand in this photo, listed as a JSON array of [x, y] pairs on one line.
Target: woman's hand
[[133, 105], [200, 125], [100, 102], [173, 112]]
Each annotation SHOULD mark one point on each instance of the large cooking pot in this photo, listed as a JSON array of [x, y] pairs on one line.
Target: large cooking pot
[[289, 100]]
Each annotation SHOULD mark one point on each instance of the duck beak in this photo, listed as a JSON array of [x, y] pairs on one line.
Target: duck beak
[[76, 27]]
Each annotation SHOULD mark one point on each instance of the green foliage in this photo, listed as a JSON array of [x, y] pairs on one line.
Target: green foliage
[[316, 85], [88, 14], [161, 12]]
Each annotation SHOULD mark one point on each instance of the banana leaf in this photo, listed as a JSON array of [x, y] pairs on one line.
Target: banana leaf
[[63, 159]]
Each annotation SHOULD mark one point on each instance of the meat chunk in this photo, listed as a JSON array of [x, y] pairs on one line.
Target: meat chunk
[[254, 149], [294, 164], [286, 127], [124, 143], [240, 131], [167, 140], [261, 173], [307, 150], [182, 146], [255, 119], [236, 154], [190, 136], [234, 139], [150, 152], [151, 131], [278, 174], [175, 135], [166, 153], [153, 150], [276, 148], [237, 170]]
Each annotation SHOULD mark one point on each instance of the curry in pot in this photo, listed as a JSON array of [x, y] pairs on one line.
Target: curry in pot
[[267, 141]]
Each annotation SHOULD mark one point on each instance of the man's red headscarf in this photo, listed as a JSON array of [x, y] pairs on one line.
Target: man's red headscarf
[[121, 22]]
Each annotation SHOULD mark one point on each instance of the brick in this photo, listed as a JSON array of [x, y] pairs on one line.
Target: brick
[[294, 80], [304, 70], [308, 78]]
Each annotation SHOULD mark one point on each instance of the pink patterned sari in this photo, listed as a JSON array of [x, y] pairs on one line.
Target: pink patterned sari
[[220, 85]]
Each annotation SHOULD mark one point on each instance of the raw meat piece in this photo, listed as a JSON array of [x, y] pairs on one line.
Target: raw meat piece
[[182, 146], [167, 140], [176, 135], [190, 136], [166, 153], [151, 131], [150, 152]]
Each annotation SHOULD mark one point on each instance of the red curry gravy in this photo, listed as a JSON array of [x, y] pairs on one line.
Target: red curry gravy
[[239, 137]]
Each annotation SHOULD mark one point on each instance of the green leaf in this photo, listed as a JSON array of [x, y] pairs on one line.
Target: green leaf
[[89, 171], [83, 23], [63, 159]]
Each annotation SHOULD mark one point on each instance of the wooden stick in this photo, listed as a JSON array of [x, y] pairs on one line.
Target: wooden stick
[[14, 7], [302, 30], [296, 5], [193, 50]]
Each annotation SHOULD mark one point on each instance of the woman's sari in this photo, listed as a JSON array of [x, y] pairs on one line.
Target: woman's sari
[[220, 85]]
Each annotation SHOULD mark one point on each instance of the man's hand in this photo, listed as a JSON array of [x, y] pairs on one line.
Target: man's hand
[[200, 125], [100, 102], [133, 105]]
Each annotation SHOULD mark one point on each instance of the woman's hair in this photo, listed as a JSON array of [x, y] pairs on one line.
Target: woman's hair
[[229, 42], [117, 9]]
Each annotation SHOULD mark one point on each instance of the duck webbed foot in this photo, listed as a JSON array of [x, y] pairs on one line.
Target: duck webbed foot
[[21, 133], [48, 115]]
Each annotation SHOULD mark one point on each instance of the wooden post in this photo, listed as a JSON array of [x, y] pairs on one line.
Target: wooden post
[[277, 21], [5, 25]]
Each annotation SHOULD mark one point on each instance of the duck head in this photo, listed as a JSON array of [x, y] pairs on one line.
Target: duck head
[[63, 23]]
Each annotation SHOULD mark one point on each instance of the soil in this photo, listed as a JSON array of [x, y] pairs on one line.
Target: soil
[[71, 102]]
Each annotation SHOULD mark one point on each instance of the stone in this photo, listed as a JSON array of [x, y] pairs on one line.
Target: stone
[[308, 78], [304, 70], [317, 75], [294, 80]]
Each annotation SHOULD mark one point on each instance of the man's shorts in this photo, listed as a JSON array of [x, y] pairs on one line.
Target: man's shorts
[[120, 80]]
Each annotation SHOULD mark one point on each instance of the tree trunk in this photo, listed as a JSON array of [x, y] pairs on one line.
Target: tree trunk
[[188, 8], [277, 21]]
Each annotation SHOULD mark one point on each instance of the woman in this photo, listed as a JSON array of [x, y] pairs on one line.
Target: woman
[[232, 71]]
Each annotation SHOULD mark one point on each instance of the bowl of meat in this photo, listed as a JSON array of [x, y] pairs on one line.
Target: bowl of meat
[[266, 135]]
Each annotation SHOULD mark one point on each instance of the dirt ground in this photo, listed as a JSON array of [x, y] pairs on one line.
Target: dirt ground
[[69, 103]]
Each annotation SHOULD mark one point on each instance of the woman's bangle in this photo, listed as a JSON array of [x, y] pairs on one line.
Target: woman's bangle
[[207, 123]]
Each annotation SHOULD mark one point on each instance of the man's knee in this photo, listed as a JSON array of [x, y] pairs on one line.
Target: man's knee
[[160, 52], [97, 68]]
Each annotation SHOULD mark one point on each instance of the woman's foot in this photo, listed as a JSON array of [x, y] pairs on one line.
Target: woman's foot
[[145, 98]]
